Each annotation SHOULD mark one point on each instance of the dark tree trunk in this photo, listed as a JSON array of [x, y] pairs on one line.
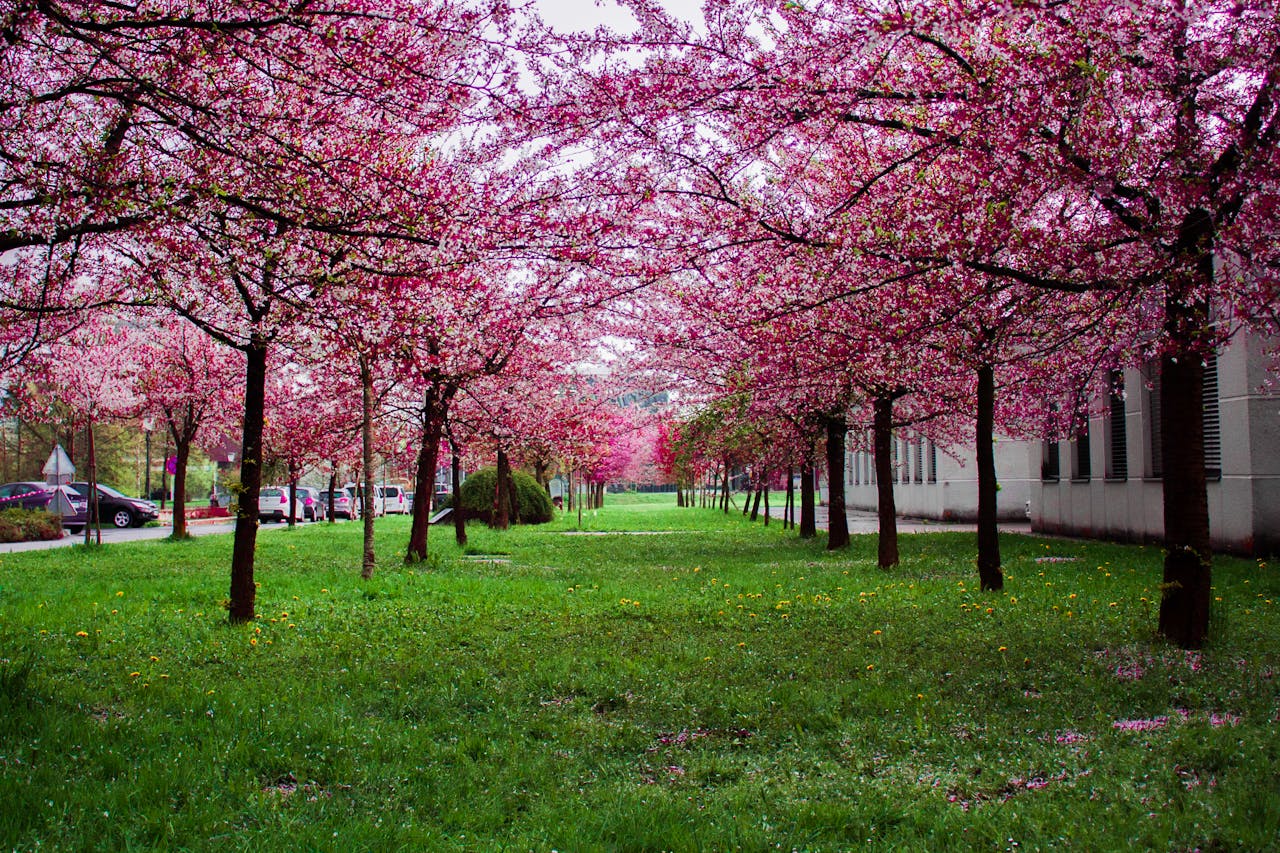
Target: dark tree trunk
[[182, 441], [333, 487], [808, 504], [369, 560], [435, 404], [755, 504], [766, 500], [502, 500], [459, 520], [293, 498], [724, 488], [837, 521], [679, 495], [789, 506], [240, 607], [1185, 605], [94, 512], [989, 574], [882, 430]]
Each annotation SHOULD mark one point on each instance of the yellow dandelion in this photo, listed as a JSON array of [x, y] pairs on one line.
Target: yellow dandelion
[[134, 674], [120, 593], [876, 633], [1003, 649], [154, 658], [253, 641], [870, 667], [82, 633]]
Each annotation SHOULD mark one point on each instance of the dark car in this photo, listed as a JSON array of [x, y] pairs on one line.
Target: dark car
[[118, 508], [36, 495]]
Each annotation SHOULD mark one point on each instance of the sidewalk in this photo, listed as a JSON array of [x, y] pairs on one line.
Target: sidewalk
[[865, 521]]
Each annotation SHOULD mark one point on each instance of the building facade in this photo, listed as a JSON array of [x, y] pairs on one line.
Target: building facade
[[1106, 481]]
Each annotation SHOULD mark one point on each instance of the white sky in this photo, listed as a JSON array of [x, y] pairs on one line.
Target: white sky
[[580, 15]]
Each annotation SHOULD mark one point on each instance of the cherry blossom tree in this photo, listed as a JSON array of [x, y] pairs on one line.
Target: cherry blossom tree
[[84, 379], [1085, 147], [190, 383]]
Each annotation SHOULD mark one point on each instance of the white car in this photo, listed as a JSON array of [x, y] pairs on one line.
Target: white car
[[394, 500], [357, 491]]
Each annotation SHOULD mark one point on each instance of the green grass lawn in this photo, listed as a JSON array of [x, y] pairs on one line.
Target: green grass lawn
[[718, 685]]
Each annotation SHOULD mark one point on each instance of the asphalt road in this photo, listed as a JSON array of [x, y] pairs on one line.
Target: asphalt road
[[132, 534]]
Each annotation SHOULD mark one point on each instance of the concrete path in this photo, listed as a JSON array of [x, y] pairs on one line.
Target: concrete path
[[865, 521]]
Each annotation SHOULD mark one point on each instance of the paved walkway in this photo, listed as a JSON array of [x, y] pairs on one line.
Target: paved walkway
[[865, 521]]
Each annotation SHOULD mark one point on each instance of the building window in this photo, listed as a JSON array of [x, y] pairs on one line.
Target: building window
[[919, 448], [893, 460], [1117, 435], [1081, 466], [1050, 465], [933, 462], [1212, 420]]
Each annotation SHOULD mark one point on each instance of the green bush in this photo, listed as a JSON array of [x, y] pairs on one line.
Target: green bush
[[29, 525], [477, 497]]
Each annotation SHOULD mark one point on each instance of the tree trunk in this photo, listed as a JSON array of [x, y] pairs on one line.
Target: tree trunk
[[435, 405], [243, 592], [502, 500], [789, 505], [369, 559], [182, 450], [94, 512], [837, 521], [755, 504], [293, 498], [989, 574], [724, 488], [766, 500], [459, 520], [882, 429], [333, 487], [1185, 605], [808, 505]]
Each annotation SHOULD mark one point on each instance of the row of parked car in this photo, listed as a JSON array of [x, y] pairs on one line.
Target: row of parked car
[[313, 504], [120, 510], [72, 502]]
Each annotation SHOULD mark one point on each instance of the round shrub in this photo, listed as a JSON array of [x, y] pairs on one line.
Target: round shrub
[[29, 525], [477, 497]]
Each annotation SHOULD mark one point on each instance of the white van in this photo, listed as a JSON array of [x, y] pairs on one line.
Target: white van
[[393, 500]]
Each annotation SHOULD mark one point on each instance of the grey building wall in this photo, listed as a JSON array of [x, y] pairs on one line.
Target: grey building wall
[[1244, 500], [943, 484]]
